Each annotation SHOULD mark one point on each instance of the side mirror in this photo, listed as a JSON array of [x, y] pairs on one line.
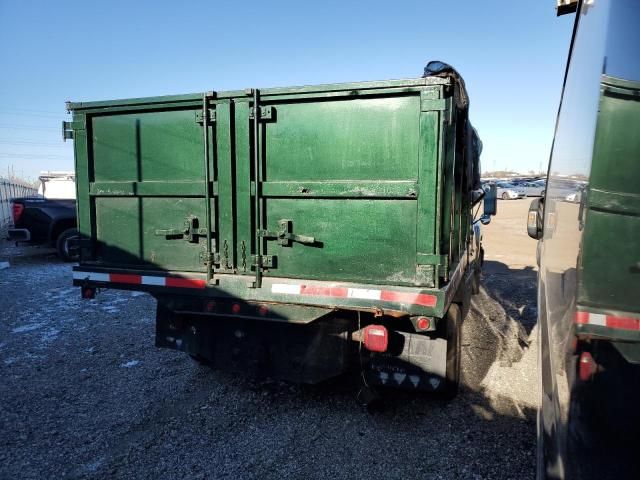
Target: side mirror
[[534, 219], [490, 200]]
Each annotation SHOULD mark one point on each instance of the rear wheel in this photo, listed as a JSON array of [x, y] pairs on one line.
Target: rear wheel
[[67, 246], [453, 324], [505, 196]]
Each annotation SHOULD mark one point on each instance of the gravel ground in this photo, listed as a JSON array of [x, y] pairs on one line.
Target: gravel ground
[[85, 394]]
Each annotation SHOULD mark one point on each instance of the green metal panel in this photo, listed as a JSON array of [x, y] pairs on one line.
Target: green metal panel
[[610, 259], [362, 139], [356, 240]]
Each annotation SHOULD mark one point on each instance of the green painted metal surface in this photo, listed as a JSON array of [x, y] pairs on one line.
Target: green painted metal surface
[[371, 171], [610, 260]]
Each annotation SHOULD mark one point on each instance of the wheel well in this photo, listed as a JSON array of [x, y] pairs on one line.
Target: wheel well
[[60, 227]]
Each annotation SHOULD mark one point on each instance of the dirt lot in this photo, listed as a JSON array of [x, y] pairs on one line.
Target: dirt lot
[[85, 394]]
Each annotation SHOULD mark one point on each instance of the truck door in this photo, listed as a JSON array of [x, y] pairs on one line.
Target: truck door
[[147, 187], [338, 179]]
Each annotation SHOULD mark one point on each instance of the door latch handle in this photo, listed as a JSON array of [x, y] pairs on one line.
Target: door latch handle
[[285, 236], [189, 232]]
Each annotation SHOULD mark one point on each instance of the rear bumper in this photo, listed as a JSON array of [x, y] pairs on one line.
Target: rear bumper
[[19, 235], [183, 287]]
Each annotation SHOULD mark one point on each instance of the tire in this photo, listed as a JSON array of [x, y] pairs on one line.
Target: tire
[[66, 253], [453, 325], [505, 196]]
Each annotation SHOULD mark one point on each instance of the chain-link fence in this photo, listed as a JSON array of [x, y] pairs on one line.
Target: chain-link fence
[[8, 190]]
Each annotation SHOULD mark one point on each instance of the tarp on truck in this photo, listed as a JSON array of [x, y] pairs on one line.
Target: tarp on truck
[[436, 68]]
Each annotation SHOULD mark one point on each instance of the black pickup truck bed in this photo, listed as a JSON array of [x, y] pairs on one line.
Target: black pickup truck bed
[[41, 220]]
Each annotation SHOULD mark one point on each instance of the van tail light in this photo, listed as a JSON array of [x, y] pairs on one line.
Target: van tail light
[[586, 366], [17, 209]]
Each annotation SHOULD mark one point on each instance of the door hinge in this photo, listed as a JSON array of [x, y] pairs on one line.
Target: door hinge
[[69, 127], [212, 258], [199, 116], [266, 113]]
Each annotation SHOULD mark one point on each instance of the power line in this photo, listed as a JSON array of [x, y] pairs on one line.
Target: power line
[[35, 144], [31, 155], [26, 127], [34, 113]]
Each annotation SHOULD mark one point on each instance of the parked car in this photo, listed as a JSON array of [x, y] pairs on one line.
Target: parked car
[[44, 220], [509, 191], [533, 189]]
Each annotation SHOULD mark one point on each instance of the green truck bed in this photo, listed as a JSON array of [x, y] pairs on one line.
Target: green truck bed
[[355, 184]]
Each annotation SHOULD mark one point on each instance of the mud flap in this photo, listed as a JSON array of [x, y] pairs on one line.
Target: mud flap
[[297, 353], [413, 362]]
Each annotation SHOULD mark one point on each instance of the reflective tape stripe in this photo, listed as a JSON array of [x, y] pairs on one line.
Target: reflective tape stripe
[[96, 277], [610, 321], [359, 293], [364, 293], [185, 282], [125, 278], [285, 288], [597, 319], [150, 280], [623, 323], [130, 279]]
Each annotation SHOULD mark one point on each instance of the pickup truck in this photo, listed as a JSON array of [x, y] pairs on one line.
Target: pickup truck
[[299, 233], [42, 220]]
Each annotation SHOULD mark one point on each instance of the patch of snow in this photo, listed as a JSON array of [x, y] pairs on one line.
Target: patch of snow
[[28, 328], [130, 363]]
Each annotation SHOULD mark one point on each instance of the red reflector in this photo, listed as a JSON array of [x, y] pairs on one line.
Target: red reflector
[[263, 310], [17, 209], [184, 282], [586, 366], [423, 323], [235, 308], [375, 338], [582, 317], [211, 306]]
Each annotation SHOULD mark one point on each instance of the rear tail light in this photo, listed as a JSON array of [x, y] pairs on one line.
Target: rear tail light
[[375, 338], [235, 308], [88, 293], [17, 209]]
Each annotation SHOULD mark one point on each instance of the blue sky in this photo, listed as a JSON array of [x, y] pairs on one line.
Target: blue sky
[[511, 54]]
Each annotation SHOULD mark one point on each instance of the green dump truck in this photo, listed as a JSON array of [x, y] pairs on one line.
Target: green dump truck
[[297, 232]]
